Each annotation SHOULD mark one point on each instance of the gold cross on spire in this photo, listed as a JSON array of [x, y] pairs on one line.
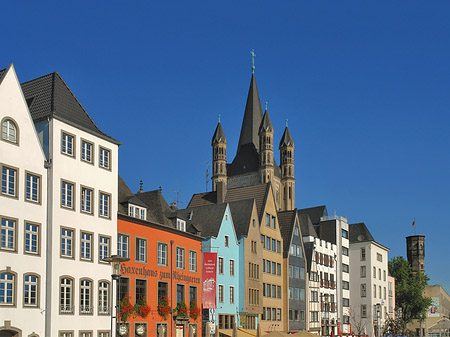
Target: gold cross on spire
[[253, 60]]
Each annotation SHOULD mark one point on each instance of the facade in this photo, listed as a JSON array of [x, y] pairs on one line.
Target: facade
[[391, 297], [78, 218], [23, 205], [294, 267], [369, 283], [165, 261]]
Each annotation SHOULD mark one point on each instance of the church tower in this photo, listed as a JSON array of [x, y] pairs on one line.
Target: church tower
[[287, 171], [266, 162], [219, 147]]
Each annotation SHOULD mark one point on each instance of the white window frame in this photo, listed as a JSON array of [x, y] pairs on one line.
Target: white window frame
[[192, 261], [86, 252], [104, 158], [220, 265], [87, 195], [104, 243], [141, 250], [231, 295], [181, 225], [104, 204], [162, 250], [9, 181], [32, 188], [67, 242], [86, 297], [87, 153], [8, 234], [67, 194], [103, 297], [179, 257], [32, 238], [8, 284], [30, 290], [67, 144], [220, 293], [10, 131], [123, 245], [66, 295]]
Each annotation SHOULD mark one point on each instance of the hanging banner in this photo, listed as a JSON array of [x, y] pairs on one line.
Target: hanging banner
[[209, 280]]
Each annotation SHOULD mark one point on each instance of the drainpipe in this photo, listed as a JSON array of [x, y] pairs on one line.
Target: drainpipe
[[171, 286]]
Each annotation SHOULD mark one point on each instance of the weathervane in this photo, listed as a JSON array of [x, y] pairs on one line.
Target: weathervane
[[219, 117], [286, 122], [253, 59], [266, 106]]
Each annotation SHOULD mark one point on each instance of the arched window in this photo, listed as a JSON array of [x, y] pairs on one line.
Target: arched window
[[66, 295], [7, 287], [9, 131], [86, 297], [31, 290], [103, 297]]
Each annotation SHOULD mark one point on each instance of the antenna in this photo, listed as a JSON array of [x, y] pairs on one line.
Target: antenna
[[177, 200]]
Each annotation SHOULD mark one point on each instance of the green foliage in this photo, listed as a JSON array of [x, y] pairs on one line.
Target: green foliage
[[409, 291]]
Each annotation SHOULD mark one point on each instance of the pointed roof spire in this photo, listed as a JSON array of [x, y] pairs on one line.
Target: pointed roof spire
[[253, 60], [266, 123], [219, 135], [286, 139], [252, 117]]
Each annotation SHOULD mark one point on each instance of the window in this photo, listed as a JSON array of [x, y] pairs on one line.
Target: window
[[302, 294], [278, 291], [363, 254], [346, 302], [379, 274], [67, 144], [384, 275], [227, 241], [363, 290], [267, 242], [374, 272], [86, 246], [296, 231], [267, 219], [296, 272], [86, 200], [278, 314], [344, 234], [32, 188], [274, 248], [141, 289], [278, 269], [363, 271], [67, 242], [180, 258], [302, 273], [7, 288], [30, 291], [103, 298], [363, 311], [181, 225], [220, 293], [141, 250], [162, 254], [8, 234], [65, 296], [345, 251], [86, 151], [253, 246], [67, 190], [299, 251], [180, 293], [65, 333], [263, 241], [274, 222], [9, 131], [220, 265], [163, 289], [103, 247], [192, 261], [9, 181], [379, 257], [31, 238], [104, 158], [137, 212], [86, 297], [374, 291], [278, 246], [122, 245], [231, 267], [292, 250], [231, 295], [345, 268], [124, 287], [104, 204], [192, 294], [384, 292]]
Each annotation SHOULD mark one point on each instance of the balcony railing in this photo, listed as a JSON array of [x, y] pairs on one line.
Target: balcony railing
[[102, 310], [86, 309], [66, 309]]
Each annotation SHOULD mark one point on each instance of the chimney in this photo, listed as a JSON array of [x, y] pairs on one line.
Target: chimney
[[221, 190], [173, 206]]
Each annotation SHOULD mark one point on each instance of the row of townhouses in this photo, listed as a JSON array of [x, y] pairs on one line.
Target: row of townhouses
[[64, 209]]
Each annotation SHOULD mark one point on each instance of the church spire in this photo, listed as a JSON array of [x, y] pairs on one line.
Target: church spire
[[252, 117]]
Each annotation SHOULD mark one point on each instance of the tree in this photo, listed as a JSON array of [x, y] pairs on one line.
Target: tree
[[358, 323], [409, 291]]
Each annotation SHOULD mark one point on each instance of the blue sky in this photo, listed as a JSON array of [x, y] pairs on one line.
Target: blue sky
[[365, 87]]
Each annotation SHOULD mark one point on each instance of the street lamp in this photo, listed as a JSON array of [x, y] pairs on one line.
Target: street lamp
[[116, 260]]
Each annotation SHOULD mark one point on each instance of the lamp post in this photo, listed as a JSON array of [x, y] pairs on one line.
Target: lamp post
[[116, 260]]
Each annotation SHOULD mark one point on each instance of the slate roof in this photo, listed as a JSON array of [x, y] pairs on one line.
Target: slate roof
[[49, 96], [252, 117], [358, 232], [246, 160], [309, 250], [158, 210], [314, 213], [258, 192], [286, 221], [266, 123], [286, 139], [2, 72], [208, 219], [219, 135], [241, 212], [306, 226]]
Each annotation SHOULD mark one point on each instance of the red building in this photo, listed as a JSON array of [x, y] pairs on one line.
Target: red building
[[165, 265]]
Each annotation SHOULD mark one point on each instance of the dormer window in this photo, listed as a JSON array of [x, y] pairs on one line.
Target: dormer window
[[137, 212], [181, 225]]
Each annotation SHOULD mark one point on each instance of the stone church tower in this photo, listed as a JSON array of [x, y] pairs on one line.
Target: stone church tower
[[254, 162]]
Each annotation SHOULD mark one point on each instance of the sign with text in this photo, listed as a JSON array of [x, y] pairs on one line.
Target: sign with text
[[209, 280]]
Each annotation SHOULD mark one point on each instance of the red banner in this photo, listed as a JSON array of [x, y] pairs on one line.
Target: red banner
[[209, 280]]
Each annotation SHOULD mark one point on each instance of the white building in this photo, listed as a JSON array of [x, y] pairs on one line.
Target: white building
[[369, 281], [78, 212], [23, 203]]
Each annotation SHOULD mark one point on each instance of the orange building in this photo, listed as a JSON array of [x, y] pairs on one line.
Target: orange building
[[165, 261]]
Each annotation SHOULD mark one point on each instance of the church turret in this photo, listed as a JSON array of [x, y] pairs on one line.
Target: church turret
[[287, 171], [266, 161], [219, 145]]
